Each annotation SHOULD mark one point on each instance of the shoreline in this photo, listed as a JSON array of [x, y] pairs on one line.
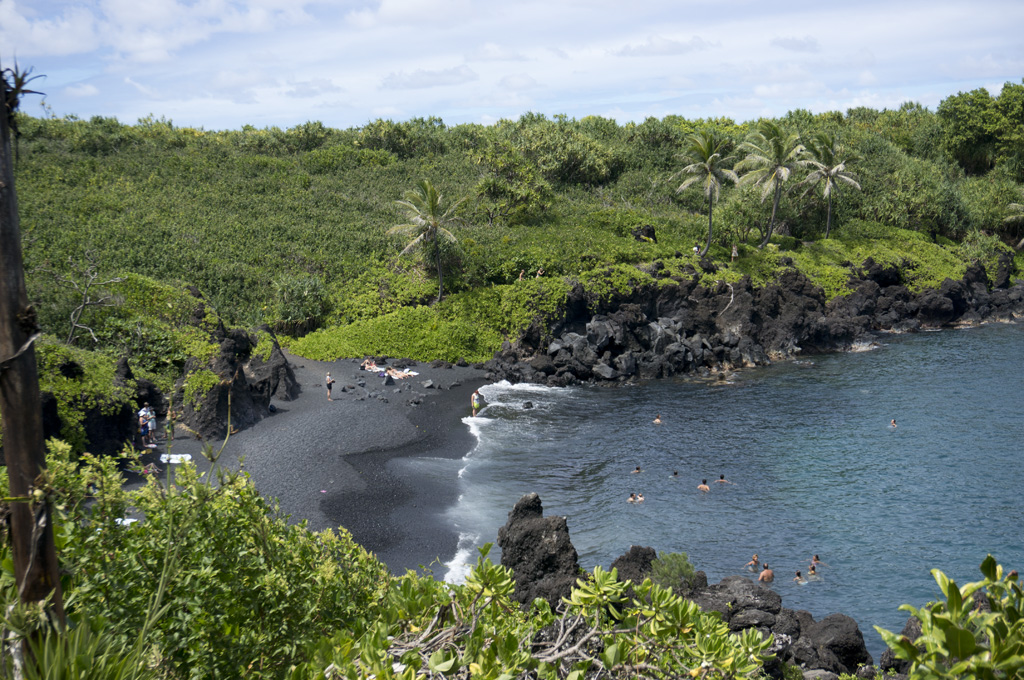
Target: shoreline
[[339, 463]]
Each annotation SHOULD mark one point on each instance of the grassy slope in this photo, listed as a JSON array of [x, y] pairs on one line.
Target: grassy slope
[[269, 224]]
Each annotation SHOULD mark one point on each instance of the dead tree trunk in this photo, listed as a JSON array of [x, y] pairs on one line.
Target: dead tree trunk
[[35, 557]]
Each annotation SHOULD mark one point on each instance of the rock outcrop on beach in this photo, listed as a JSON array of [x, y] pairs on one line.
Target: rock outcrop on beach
[[682, 327], [538, 551], [247, 383], [107, 429]]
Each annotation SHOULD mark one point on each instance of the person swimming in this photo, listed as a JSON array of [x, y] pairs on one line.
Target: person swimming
[[637, 470], [675, 473], [704, 486], [657, 419], [722, 480], [753, 563], [798, 578], [892, 423], [639, 498], [815, 561], [632, 498], [766, 575], [811, 573]]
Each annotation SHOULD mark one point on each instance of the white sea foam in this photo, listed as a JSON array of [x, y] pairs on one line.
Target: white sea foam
[[460, 565]]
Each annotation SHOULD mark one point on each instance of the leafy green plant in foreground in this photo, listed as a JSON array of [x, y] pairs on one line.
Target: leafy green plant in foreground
[[476, 631], [248, 592], [962, 638]]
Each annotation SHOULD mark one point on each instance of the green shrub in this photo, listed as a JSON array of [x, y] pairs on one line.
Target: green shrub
[[198, 384], [247, 592], [960, 640], [80, 381], [673, 570]]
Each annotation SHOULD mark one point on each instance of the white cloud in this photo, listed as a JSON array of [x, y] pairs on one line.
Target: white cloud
[[866, 78], [422, 79], [312, 88], [71, 32], [807, 44], [226, 63], [83, 90], [518, 81], [657, 46], [494, 52]]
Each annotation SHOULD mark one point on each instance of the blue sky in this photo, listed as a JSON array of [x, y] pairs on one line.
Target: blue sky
[[222, 64]]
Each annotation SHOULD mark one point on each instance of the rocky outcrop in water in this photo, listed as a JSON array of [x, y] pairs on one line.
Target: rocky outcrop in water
[[681, 327], [544, 564], [538, 551]]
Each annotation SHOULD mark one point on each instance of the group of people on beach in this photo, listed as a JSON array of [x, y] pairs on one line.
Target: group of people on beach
[[147, 425], [767, 575]]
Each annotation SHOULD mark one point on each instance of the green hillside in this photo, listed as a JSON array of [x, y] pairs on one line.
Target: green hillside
[[289, 227]]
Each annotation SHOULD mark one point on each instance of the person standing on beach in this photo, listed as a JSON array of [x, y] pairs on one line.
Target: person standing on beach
[[477, 402], [152, 425], [330, 383]]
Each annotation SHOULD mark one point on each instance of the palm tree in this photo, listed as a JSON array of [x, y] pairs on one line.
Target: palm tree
[[826, 158], [427, 217], [772, 156], [705, 151]]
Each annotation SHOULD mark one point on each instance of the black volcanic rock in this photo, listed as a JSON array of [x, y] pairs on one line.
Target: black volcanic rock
[[538, 551]]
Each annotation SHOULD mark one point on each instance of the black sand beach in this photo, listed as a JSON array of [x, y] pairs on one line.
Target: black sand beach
[[339, 463]]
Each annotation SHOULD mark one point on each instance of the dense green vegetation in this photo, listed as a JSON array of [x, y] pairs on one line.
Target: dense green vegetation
[[291, 227]]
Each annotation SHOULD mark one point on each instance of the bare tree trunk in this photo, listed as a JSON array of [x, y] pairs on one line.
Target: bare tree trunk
[[35, 557]]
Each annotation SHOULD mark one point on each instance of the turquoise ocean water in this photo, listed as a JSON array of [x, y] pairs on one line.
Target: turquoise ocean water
[[814, 464]]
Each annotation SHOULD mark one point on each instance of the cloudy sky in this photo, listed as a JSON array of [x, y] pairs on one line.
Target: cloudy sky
[[221, 64]]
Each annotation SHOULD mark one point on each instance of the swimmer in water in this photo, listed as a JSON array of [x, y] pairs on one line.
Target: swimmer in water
[[637, 470], [704, 486], [722, 480], [798, 578], [811, 573], [632, 498], [752, 564], [640, 498], [766, 575], [675, 473], [657, 419], [815, 561], [892, 423]]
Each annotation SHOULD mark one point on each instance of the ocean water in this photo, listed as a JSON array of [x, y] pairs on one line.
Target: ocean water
[[814, 466]]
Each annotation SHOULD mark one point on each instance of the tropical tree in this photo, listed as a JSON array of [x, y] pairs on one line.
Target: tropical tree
[[707, 166], [772, 156], [1015, 217], [827, 161], [428, 218]]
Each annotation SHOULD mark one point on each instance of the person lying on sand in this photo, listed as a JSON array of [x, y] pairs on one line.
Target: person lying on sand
[[395, 373], [369, 365]]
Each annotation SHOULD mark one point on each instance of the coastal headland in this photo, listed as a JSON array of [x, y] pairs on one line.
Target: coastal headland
[[340, 462]]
